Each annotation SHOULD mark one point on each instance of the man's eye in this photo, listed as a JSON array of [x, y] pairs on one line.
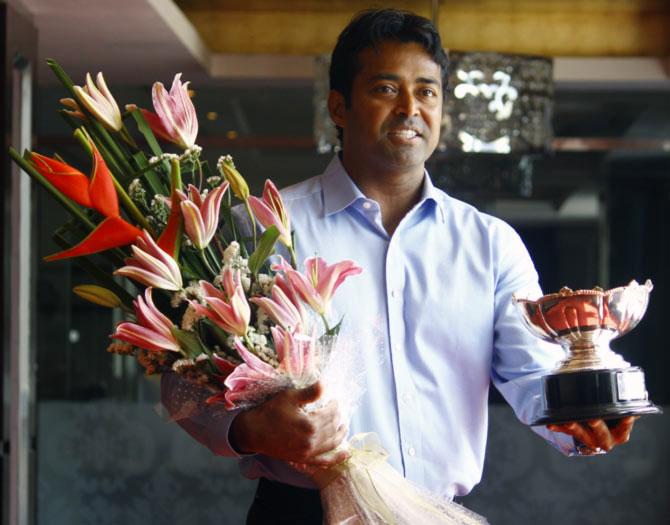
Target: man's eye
[[385, 89], [427, 92]]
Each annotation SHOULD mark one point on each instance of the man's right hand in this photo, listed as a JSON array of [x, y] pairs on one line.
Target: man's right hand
[[280, 428]]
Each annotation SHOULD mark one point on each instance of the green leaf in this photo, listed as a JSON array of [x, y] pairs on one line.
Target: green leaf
[[264, 250], [189, 342], [146, 131]]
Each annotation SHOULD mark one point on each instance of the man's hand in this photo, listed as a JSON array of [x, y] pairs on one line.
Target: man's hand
[[282, 429], [595, 435]]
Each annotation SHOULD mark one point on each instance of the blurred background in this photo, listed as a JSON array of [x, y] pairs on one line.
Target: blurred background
[[557, 121]]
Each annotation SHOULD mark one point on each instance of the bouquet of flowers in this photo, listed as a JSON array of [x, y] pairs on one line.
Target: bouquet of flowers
[[159, 233]]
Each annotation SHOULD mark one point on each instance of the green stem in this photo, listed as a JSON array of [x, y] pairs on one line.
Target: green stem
[[201, 177], [203, 256], [325, 322], [212, 255], [125, 135], [252, 219], [64, 201], [294, 260]]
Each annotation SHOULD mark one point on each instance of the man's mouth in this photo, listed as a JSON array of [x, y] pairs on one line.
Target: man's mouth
[[405, 133]]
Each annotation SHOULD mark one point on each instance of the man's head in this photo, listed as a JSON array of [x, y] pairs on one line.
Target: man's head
[[387, 75], [371, 28]]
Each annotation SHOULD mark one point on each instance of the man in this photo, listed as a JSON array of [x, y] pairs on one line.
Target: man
[[432, 309]]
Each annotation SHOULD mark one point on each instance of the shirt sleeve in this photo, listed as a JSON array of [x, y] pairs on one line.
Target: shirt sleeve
[[207, 424], [519, 358]]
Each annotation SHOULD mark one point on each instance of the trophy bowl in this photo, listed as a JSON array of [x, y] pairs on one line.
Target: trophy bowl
[[592, 381]]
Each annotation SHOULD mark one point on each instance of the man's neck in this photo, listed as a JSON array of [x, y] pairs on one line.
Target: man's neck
[[396, 192]]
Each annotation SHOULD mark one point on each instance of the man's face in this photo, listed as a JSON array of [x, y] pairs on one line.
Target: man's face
[[393, 120]]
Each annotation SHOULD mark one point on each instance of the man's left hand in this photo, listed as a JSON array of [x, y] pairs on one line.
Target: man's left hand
[[595, 436]]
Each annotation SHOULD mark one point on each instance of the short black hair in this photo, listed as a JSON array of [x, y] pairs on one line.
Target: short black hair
[[370, 28]]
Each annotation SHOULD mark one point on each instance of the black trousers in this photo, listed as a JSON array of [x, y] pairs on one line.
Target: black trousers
[[280, 504]]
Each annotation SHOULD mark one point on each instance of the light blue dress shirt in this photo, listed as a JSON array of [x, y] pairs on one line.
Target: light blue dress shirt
[[435, 322]]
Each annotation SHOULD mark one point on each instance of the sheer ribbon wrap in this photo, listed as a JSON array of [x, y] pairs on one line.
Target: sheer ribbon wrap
[[363, 490], [367, 490]]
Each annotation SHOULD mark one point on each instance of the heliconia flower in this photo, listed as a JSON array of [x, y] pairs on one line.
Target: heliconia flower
[[100, 102], [318, 285], [244, 383], [238, 185], [175, 119], [281, 309], [229, 309], [152, 266], [98, 295], [201, 217], [270, 211], [153, 330], [98, 192]]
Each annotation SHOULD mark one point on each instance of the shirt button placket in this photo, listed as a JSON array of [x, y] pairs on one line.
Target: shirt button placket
[[403, 383]]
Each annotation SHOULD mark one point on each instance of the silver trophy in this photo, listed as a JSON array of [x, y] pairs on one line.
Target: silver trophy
[[592, 381]]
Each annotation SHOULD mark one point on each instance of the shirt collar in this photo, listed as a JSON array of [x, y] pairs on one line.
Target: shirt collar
[[340, 191]]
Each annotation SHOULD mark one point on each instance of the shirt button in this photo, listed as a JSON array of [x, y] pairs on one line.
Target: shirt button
[[411, 451], [367, 205]]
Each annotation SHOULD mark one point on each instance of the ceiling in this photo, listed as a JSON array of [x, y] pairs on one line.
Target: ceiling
[[546, 27], [139, 41]]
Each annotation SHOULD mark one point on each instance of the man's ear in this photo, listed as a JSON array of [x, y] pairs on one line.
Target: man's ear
[[336, 107]]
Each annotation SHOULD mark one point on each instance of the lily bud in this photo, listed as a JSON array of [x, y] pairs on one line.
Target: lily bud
[[97, 98], [98, 295], [73, 108], [238, 185]]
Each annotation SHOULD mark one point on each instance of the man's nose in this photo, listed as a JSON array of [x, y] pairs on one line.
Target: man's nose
[[407, 104]]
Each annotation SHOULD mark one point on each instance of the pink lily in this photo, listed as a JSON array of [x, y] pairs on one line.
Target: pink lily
[[250, 381], [320, 281], [153, 330], [285, 285], [271, 212], [281, 309], [296, 355], [201, 218], [175, 119], [152, 266], [99, 101], [229, 309]]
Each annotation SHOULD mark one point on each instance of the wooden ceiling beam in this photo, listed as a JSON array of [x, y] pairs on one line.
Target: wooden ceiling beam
[[549, 27]]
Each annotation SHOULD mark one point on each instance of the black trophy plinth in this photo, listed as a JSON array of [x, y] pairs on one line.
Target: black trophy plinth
[[595, 394]]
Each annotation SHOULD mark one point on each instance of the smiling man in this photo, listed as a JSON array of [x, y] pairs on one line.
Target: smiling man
[[432, 312]]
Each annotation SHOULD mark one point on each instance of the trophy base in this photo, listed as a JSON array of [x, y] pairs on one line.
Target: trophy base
[[594, 394]]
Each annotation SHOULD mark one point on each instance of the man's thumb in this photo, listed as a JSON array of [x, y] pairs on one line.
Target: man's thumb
[[309, 394]]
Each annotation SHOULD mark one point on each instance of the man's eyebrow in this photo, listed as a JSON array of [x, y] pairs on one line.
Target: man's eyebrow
[[391, 76]]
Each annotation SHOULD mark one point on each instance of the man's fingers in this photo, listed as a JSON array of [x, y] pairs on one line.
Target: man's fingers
[[601, 434], [577, 431], [329, 458], [309, 394], [621, 431]]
